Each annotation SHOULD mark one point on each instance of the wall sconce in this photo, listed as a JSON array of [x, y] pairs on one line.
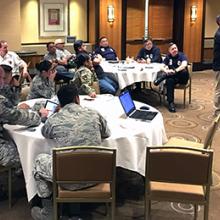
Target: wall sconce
[[110, 14], [193, 13]]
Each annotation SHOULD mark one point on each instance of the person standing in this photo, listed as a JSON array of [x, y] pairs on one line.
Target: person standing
[[216, 67]]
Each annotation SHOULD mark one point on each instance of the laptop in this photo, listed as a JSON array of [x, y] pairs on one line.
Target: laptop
[[131, 111]]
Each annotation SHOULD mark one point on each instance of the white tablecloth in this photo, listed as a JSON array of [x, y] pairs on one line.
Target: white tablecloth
[[127, 74], [129, 136]]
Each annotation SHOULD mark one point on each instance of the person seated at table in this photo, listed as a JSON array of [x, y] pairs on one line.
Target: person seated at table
[[107, 81], [19, 67], [175, 72], [105, 50], [51, 52], [150, 53], [43, 85], [85, 77], [15, 116], [63, 55], [72, 125], [62, 70], [11, 88]]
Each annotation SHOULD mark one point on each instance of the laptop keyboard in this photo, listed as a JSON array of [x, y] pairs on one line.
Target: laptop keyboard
[[143, 115]]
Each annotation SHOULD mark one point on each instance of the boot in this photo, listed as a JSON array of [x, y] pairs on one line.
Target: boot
[[45, 213], [171, 107], [159, 80]]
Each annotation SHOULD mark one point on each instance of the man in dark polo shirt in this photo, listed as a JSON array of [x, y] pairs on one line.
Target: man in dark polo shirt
[[105, 50], [216, 67], [149, 53], [175, 72]]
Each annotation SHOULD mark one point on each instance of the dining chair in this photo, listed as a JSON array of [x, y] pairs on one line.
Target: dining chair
[[8, 170], [207, 142], [178, 174], [183, 87], [90, 165]]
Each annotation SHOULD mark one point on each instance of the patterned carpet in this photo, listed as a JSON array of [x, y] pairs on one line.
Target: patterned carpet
[[193, 122], [190, 123]]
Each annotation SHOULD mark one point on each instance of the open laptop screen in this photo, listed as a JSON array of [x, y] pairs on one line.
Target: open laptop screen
[[127, 102]]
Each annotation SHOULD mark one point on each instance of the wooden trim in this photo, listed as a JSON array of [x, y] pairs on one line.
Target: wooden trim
[[208, 38], [97, 20], [134, 41], [203, 29], [199, 66], [178, 25], [43, 43], [140, 40]]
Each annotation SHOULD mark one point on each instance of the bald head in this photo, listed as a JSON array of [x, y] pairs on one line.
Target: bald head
[[218, 19]]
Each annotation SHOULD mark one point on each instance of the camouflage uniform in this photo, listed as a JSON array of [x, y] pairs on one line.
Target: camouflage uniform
[[12, 93], [73, 125], [84, 79], [41, 88], [9, 115]]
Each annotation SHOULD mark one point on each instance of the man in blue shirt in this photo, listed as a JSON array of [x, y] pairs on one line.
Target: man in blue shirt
[[175, 72], [105, 50], [149, 53], [216, 67]]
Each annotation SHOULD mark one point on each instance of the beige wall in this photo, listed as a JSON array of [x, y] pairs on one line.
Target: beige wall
[[212, 10], [78, 19], [10, 23], [30, 19]]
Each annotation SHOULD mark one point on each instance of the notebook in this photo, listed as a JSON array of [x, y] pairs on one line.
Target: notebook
[[131, 111]]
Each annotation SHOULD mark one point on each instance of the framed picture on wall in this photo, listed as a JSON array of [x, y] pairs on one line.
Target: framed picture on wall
[[53, 18]]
